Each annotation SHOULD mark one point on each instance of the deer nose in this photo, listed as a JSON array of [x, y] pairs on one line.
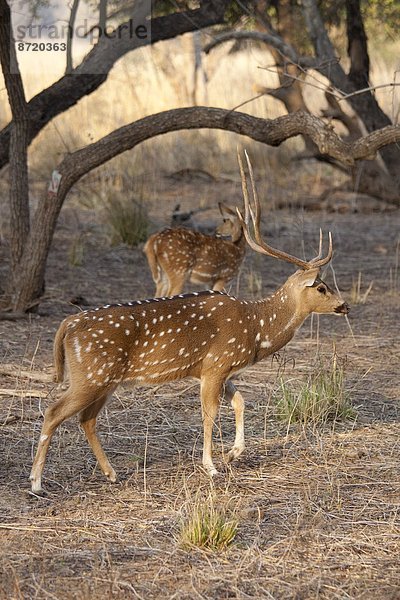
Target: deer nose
[[343, 309]]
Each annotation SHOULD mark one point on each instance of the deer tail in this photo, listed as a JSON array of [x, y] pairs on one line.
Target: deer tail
[[59, 352], [151, 255]]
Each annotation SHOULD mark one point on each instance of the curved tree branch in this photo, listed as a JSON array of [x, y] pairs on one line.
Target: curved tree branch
[[268, 131]]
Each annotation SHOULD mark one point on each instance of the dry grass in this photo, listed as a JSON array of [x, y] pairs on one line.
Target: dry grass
[[359, 295], [132, 91]]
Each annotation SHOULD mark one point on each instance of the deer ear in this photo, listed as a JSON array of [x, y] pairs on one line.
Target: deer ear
[[307, 278], [226, 211]]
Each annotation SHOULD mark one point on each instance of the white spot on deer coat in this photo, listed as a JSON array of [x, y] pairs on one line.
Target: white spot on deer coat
[[77, 350], [266, 344]]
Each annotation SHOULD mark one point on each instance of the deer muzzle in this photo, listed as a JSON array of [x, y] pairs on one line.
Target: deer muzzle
[[343, 309]]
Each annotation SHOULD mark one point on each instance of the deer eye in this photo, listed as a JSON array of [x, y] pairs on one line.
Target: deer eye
[[321, 289]]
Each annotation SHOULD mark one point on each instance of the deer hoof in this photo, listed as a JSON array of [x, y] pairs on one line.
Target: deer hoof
[[211, 471], [234, 453], [39, 493], [112, 476]]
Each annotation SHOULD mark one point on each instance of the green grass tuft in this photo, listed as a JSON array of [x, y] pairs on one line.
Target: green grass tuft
[[319, 399], [128, 220], [207, 526]]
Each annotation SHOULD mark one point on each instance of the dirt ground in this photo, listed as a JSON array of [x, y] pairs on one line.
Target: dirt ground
[[318, 511]]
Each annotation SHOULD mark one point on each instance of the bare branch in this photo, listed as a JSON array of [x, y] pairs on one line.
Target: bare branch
[[335, 111], [286, 50], [333, 91], [368, 89], [70, 36]]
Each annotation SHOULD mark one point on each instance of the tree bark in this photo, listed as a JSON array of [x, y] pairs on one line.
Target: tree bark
[[70, 36], [93, 71], [357, 48], [291, 75], [75, 165], [18, 173]]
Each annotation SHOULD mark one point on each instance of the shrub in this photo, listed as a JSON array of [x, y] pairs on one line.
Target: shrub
[[128, 220]]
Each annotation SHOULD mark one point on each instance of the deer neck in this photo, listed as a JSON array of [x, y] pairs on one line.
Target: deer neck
[[276, 321], [240, 242]]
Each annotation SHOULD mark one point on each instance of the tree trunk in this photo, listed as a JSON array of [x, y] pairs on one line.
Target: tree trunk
[[365, 104], [290, 91], [70, 37], [19, 137], [28, 281]]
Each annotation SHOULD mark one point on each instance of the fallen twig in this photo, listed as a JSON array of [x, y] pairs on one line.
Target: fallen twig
[[23, 393], [9, 369]]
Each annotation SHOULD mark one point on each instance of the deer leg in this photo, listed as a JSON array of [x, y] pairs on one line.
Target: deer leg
[[210, 398], [237, 403], [70, 403], [162, 284], [87, 420], [176, 283]]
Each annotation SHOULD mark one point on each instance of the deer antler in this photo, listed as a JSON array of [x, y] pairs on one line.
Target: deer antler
[[257, 243]]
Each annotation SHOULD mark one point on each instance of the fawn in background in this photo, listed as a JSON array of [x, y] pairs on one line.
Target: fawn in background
[[179, 255]]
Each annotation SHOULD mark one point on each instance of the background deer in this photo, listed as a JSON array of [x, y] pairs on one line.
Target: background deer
[[207, 335], [179, 255]]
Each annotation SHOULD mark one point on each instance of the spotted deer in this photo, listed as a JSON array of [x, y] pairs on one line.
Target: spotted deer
[[179, 255], [208, 335]]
